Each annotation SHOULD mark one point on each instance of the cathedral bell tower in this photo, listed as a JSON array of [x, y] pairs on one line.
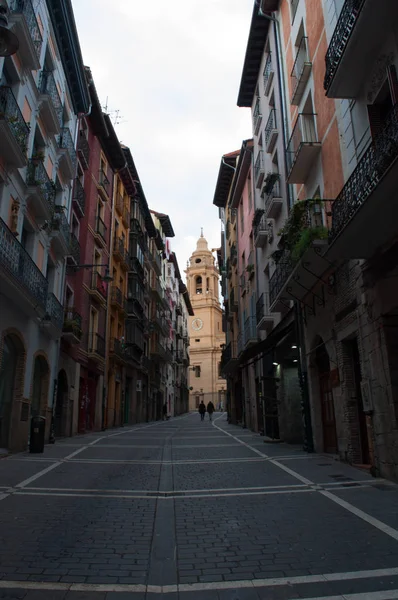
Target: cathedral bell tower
[[205, 328]]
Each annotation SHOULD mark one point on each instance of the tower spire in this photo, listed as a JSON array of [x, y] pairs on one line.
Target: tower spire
[[201, 232]]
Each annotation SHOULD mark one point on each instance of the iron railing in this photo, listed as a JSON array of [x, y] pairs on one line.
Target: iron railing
[[135, 294], [270, 126], [134, 334], [98, 284], [304, 132], [117, 347], [262, 307], [302, 57], [282, 272], [250, 329], [261, 227], [10, 112], [377, 159], [79, 195], [104, 181], [242, 283], [117, 295], [48, 86], [258, 166], [275, 192], [241, 342], [101, 228], [66, 143], [341, 35], [293, 8], [25, 7], [96, 344], [267, 70], [233, 254], [36, 175], [74, 247], [256, 115], [230, 353], [16, 262], [83, 149], [61, 225], [55, 311], [72, 322]]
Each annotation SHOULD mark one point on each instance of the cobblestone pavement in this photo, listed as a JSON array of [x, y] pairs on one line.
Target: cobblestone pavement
[[188, 510]]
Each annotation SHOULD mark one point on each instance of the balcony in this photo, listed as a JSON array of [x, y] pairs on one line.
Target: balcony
[[50, 104], [60, 233], [364, 215], [119, 204], [83, 149], [241, 342], [268, 74], [116, 349], [274, 201], [233, 300], [135, 297], [126, 217], [54, 316], [156, 263], [21, 280], [79, 198], [41, 190], [243, 284], [120, 253], [271, 132], [233, 254], [251, 336], [179, 309], [160, 353], [96, 347], [257, 117], [357, 39], [72, 327], [160, 322], [301, 72], [300, 265], [14, 132], [229, 358], [99, 287], [117, 299], [303, 148], [136, 267], [259, 169], [293, 8], [145, 363], [23, 23], [157, 290], [104, 184], [265, 319], [100, 229], [67, 154], [262, 232], [73, 257]]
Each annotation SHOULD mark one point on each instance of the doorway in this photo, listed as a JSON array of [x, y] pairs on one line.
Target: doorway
[[12, 358], [362, 424], [61, 406], [41, 375], [326, 399]]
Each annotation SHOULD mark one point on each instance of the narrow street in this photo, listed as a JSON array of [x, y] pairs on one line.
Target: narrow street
[[184, 509]]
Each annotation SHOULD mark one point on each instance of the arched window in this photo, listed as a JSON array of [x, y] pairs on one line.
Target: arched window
[[198, 285]]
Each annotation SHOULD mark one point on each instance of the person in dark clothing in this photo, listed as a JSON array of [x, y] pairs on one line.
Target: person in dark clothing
[[202, 410], [210, 410], [165, 411]]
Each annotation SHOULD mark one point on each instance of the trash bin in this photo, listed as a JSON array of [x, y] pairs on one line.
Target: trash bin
[[37, 431]]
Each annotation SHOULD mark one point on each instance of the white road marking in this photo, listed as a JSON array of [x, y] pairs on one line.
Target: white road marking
[[220, 585]]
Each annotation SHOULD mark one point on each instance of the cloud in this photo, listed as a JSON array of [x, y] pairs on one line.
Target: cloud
[[172, 70]]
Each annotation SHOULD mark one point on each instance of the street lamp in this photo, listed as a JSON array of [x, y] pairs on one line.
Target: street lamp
[[9, 42]]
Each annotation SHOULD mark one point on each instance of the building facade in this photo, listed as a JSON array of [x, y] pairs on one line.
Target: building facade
[[205, 328], [41, 94]]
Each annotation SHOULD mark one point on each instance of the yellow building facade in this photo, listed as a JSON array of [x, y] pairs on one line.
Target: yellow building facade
[[205, 329]]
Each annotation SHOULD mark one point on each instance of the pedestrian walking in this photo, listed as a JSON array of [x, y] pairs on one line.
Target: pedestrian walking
[[210, 410], [165, 411], [202, 410]]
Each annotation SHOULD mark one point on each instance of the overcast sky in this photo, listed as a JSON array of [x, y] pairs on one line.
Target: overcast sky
[[172, 70]]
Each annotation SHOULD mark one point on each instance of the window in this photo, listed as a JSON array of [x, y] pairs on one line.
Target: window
[[198, 286], [197, 340], [197, 371], [242, 217], [219, 370]]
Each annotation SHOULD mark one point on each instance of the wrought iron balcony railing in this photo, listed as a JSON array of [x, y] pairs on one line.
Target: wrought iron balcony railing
[[48, 86], [10, 112], [96, 344], [301, 69], [104, 181], [98, 284], [83, 148], [36, 175], [375, 162], [262, 307], [257, 116], [241, 342], [233, 254], [293, 8], [72, 323], [16, 263], [270, 126], [79, 196], [74, 247], [250, 329], [345, 24], [25, 7], [267, 72], [117, 296], [55, 311], [304, 132], [230, 353], [100, 228], [66, 143], [259, 168], [61, 226], [116, 347]]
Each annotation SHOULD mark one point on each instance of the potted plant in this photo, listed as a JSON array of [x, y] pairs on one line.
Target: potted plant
[[38, 157], [250, 270]]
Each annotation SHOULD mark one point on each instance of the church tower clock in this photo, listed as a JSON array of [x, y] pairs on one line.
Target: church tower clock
[[205, 328]]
